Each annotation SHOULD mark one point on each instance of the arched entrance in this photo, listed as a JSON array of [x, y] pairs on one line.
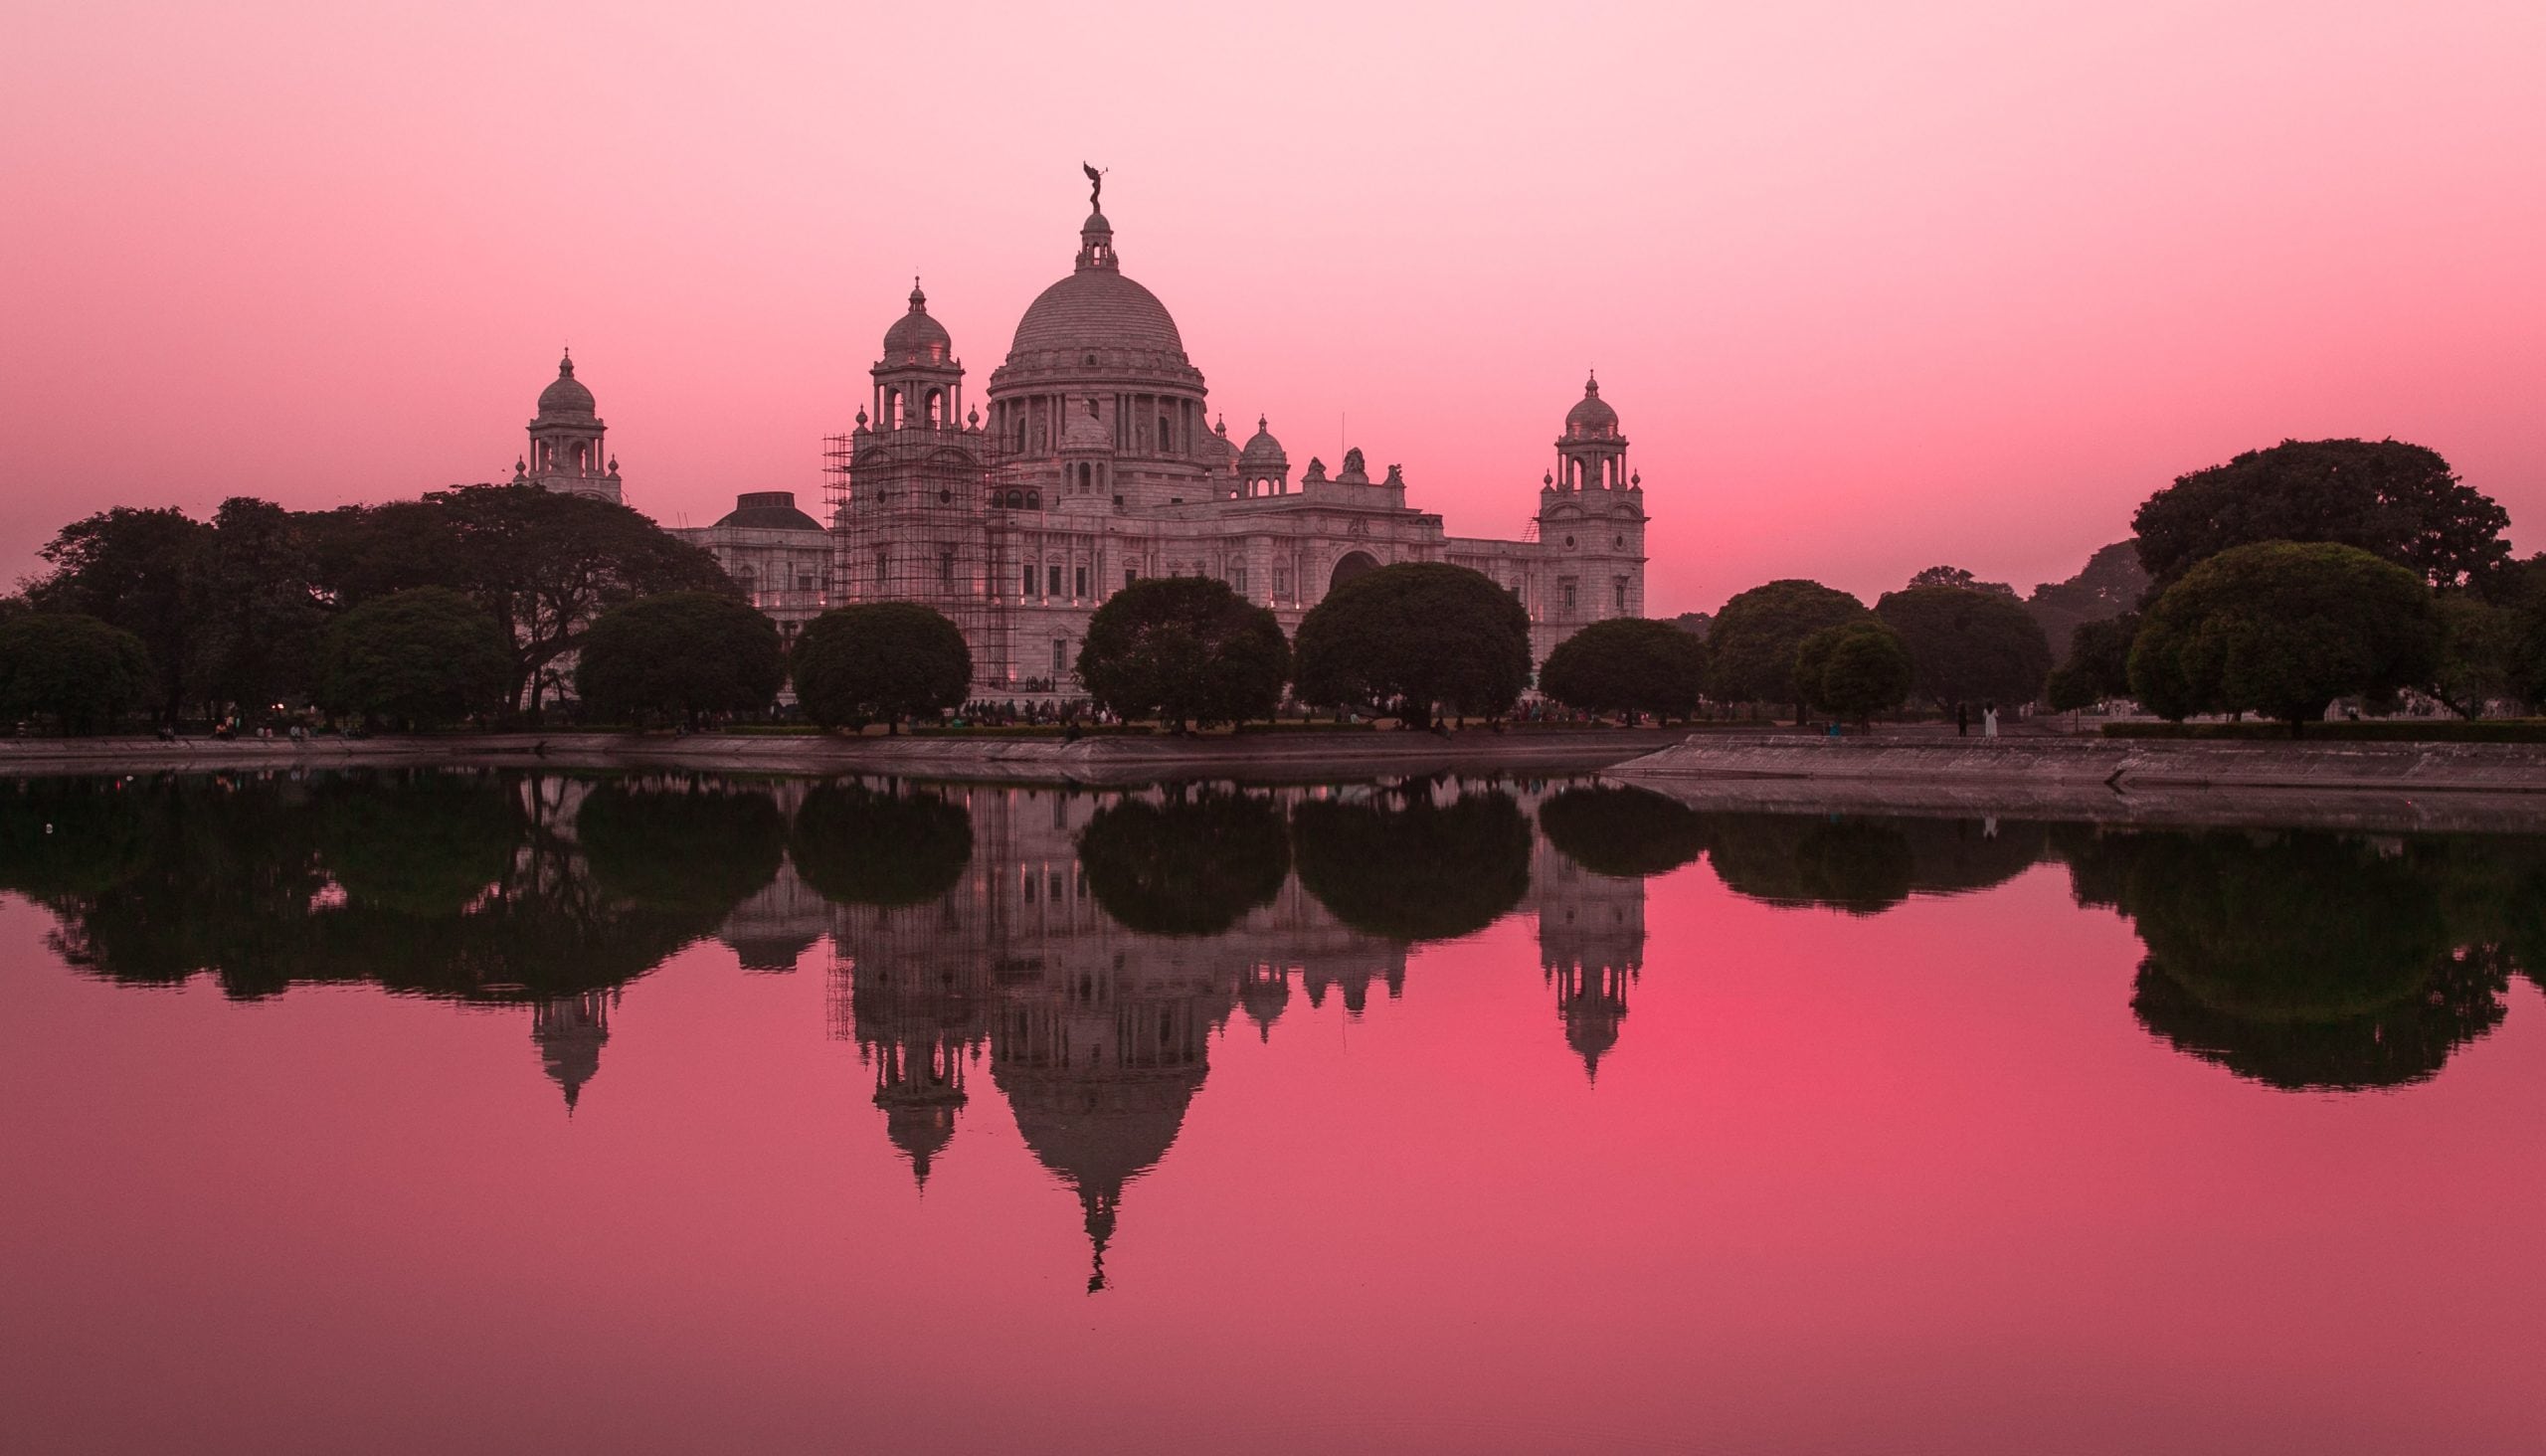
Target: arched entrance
[[1353, 564]]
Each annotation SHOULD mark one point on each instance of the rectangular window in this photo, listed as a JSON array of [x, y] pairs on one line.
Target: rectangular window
[[1130, 575], [1568, 596], [1060, 656], [1052, 583], [1026, 587], [1081, 583], [1237, 580], [946, 566], [804, 581], [1622, 595]]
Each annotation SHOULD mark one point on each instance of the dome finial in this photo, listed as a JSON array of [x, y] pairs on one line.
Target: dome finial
[[919, 301]]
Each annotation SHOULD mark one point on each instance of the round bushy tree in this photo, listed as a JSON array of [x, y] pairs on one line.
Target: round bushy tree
[[1968, 645], [681, 655], [419, 658], [1856, 670], [1751, 644], [2281, 628], [2398, 501], [82, 673], [1415, 636], [1627, 664], [886, 659], [1183, 650]]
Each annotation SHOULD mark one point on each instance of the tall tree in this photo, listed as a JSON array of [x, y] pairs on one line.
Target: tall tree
[[257, 612], [2110, 583], [548, 564], [2282, 628], [1751, 646], [1968, 645], [1629, 665], [1854, 669], [2396, 501], [419, 658], [1183, 650], [1414, 637], [132, 568], [681, 655], [82, 673]]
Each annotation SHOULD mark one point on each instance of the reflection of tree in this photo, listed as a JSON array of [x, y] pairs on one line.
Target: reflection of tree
[[1189, 865], [1955, 856], [1856, 865], [1625, 833], [70, 836], [866, 846], [694, 846], [421, 843], [1418, 870], [2300, 960]]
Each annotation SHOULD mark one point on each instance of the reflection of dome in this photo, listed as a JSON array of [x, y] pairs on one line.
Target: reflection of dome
[[922, 1131], [915, 337], [570, 1031], [1098, 1130], [769, 950], [564, 394], [1591, 417], [1263, 453], [1264, 996]]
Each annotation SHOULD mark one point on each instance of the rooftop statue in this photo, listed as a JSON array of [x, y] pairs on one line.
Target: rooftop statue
[[1095, 187]]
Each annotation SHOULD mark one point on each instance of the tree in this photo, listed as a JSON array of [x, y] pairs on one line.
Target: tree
[[1414, 635], [1183, 650], [359, 553], [885, 660], [1627, 664], [1968, 645], [1751, 647], [1622, 833], [548, 564], [1415, 871], [257, 613], [867, 846], [2396, 501], [132, 568], [419, 658], [2098, 664], [2281, 628], [2478, 652], [681, 655], [1854, 669], [1956, 577], [2109, 585], [84, 673]]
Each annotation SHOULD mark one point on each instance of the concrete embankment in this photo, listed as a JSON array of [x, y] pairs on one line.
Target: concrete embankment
[[1260, 756], [2477, 787]]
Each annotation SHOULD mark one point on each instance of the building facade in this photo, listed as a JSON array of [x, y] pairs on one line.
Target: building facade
[[1093, 461]]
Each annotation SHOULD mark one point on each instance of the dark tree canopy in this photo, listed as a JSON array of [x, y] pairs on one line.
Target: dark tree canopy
[[697, 846], [2112, 583], [133, 569], [1622, 833], [1854, 669], [2396, 501], [862, 846], [1968, 645], [2281, 629], [1415, 871], [885, 661], [1187, 866], [681, 655], [2479, 648], [257, 612], [421, 658], [2098, 664], [1183, 650], [1627, 664], [1751, 647], [1860, 866], [82, 672], [1414, 635], [1956, 575]]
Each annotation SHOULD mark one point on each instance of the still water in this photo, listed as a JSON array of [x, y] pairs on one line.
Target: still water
[[480, 1112]]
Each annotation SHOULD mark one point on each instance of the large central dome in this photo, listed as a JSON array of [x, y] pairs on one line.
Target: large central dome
[[1096, 316]]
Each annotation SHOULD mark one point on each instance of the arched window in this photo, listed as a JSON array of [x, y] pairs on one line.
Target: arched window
[[892, 409], [1033, 501], [936, 409], [1016, 500]]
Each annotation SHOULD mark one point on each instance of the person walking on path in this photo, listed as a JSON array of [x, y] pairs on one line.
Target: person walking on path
[[1989, 721]]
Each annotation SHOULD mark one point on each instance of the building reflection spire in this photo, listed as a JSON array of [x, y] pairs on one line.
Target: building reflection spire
[[570, 1030]]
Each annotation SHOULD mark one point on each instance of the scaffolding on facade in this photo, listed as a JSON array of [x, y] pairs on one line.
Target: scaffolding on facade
[[919, 514]]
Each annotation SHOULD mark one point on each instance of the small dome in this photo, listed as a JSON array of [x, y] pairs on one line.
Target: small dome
[[916, 338], [768, 510], [1085, 432], [1096, 226], [1593, 416], [1263, 453], [564, 395]]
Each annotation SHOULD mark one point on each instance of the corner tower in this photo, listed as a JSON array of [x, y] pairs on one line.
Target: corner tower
[[566, 451], [1590, 526]]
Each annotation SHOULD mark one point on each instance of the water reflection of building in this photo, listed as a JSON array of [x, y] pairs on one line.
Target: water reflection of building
[[570, 1030], [1097, 1035], [773, 929]]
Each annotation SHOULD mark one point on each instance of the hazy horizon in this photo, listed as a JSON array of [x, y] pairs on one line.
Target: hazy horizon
[[1870, 293]]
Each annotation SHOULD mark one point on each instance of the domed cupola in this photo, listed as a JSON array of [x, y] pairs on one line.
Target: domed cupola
[[564, 396], [1591, 455], [916, 338], [566, 451], [919, 385], [1263, 468]]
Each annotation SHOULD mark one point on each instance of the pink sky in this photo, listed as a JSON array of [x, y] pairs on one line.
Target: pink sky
[[1871, 288]]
